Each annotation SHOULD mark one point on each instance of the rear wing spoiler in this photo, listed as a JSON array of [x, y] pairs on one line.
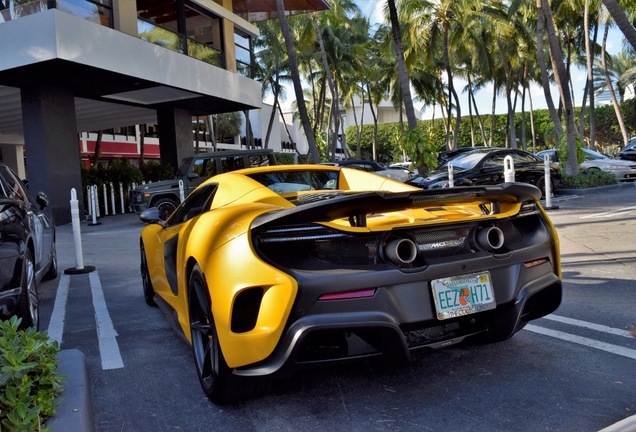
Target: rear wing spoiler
[[357, 205]]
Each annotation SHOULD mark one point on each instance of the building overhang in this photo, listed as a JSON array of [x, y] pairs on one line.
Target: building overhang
[[107, 68], [261, 10]]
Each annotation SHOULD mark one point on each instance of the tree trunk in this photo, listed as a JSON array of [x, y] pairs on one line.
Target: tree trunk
[[196, 138], [293, 65], [208, 120], [572, 164], [545, 80], [534, 137], [618, 14], [479, 120], [98, 148], [142, 145], [375, 127], [610, 86], [402, 72]]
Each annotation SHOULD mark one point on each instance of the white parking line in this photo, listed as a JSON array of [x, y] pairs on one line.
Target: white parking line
[[591, 326], [106, 334], [614, 349], [618, 212], [56, 324]]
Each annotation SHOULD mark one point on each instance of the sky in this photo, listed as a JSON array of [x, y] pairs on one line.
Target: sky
[[374, 10]]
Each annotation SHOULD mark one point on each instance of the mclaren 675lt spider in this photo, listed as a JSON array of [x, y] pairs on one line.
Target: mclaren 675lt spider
[[269, 270]]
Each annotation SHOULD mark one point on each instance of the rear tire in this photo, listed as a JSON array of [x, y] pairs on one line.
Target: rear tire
[[149, 292], [52, 271], [216, 378], [28, 305], [540, 183]]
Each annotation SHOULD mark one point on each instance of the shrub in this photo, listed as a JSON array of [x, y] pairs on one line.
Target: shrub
[[29, 382], [587, 179], [285, 158], [157, 171]]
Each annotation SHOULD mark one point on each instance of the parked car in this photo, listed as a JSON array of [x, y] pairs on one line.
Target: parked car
[[395, 173], [270, 270], [624, 170], [629, 151], [193, 171], [27, 249], [484, 166]]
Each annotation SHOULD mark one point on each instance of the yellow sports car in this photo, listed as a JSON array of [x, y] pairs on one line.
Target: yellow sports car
[[268, 270]]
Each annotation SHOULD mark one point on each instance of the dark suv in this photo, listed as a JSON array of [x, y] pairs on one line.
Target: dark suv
[[194, 170]]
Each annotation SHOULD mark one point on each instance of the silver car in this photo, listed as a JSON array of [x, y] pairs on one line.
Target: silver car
[[624, 170]]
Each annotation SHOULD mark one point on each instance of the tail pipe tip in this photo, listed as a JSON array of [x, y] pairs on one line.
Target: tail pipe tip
[[490, 238], [401, 251]]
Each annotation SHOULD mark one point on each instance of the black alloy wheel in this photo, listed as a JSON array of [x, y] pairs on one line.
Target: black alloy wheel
[[28, 305], [166, 207], [540, 183], [149, 292]]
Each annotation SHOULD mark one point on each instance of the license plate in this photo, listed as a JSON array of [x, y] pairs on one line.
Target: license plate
[[463, 295]]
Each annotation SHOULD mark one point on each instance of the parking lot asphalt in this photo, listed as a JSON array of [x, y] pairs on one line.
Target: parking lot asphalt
[[112, 248]]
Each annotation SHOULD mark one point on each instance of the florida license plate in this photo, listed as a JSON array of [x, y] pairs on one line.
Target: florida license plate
[[463, 295]]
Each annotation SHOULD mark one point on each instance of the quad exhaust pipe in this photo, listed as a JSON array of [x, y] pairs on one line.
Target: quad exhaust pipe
[[401, 251], [491, 238]]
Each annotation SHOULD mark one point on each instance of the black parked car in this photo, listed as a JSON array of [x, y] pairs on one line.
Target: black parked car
[[628, 152], [485, 166], [27, 249]]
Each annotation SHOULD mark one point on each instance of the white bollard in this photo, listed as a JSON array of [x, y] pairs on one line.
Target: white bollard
[[88, 196], [77, 234], [181, 190], [105, 200], [451, 178], [121, 197], [96, 198], [112, 197], [509, 169], [547, 181], [93, 204]]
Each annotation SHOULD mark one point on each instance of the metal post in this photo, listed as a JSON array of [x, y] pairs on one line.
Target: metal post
[[451, 178], [509, 169], [88, 197], [181, 190]]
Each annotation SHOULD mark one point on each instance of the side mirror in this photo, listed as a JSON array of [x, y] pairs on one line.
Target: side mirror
[[42, 200], [192, 175], [151, 215]]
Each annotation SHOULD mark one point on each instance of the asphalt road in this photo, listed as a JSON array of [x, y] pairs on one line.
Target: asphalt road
[[573, 372]]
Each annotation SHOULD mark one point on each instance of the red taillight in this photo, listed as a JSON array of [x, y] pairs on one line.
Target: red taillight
[[345, 295]]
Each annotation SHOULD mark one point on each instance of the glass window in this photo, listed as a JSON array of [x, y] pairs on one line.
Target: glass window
[[205, 167], [197, 203], [232, 163], [244, 54]]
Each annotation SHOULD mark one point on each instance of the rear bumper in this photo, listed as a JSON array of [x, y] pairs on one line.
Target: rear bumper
[[400, 318]]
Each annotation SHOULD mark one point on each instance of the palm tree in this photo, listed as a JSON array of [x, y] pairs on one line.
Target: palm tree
[[295, 76], [561, 77], [623, 23]]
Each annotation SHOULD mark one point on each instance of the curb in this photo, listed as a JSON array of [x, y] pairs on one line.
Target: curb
[[75, 412], [598, 189]]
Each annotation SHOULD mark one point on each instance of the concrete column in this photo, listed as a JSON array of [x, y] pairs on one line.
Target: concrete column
[[175, 135], [13, 157], [228, 38], [125, 16], [52, 150]]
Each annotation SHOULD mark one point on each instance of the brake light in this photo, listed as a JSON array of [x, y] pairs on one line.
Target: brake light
[[346, 295]]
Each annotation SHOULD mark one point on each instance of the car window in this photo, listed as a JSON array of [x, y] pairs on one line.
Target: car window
[[592, 155], [205, 167], [468, 160], [259, 160], [232, 163], [196, 203], [12, 187], [183, 168], [551, 154], [295, 181], [496, 160]]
